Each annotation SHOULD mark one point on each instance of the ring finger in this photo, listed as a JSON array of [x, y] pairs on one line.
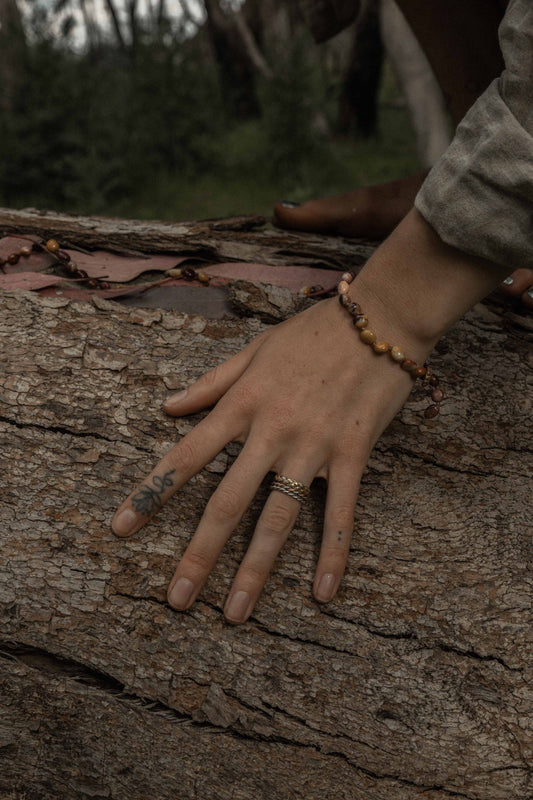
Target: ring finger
[[273, 527]]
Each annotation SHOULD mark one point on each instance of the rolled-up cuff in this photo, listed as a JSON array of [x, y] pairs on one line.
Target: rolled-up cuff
[[479, 195]]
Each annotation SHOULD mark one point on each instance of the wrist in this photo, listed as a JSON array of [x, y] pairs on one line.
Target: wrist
[[419, 286]]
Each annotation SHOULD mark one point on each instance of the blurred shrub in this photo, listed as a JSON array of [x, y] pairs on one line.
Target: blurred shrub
[[86, 130]]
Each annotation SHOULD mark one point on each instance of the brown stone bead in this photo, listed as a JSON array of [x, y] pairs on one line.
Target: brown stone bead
[[353, 308], [105, 285], [190, 275], [82, 274], [409, 365], [93, 283], [397, 354], [381, 347], [361, 321], [204, 278], [431, 411], [13, 258], [52, 246], [25, 251], [71, 267], [62, 255], [437, 395], [343, 287], [419, 372], [368, 336]]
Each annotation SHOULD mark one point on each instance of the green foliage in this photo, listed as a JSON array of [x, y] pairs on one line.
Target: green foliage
[[150, 135]]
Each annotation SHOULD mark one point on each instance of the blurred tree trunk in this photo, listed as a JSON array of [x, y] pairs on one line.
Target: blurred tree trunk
[[358, 101], [13, 49], [237, 67]]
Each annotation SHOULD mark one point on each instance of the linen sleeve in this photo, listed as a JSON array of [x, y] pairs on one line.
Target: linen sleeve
[[479, 195]]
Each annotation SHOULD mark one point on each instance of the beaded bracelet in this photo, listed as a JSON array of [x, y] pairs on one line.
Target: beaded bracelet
[[367, 336], [62, 258]]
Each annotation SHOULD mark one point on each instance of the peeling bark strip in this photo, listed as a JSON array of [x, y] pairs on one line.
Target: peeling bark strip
[[417, 681], [235, 239]]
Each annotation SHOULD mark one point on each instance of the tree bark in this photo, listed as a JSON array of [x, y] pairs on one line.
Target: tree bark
[[416, 681]]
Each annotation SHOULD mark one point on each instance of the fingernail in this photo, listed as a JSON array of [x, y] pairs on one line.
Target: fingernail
[[237, 607], [530, 293], [508, 281], [176, 398], [180, 593], [326, 588], [289, 204], [125, 522]]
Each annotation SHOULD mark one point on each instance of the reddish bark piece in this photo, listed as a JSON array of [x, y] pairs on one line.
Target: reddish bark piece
[[122, 269], [292, 277], [28, 280]]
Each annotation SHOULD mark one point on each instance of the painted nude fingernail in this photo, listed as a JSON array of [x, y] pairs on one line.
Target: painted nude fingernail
[[125, 522], [181, 593], [176, 398], [290, 204], [237, 607], [508, 281], [326, 588]]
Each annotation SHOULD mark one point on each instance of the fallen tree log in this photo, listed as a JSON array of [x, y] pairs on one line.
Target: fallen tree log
[[416, 681]]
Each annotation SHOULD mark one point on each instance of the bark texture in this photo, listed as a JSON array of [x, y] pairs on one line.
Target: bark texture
[[415, 682]]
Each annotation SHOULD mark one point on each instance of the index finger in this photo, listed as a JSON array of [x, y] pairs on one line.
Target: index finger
[[184, 460]]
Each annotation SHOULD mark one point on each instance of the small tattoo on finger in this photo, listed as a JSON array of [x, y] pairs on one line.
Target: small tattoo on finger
[[148, 498]]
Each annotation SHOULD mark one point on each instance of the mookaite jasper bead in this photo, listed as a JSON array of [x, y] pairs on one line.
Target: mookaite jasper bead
[[25, 251], [431, 411], [52, 246], [397, 354], [419, 372], [368, 336], [381, 347], [361, 322], [353, 308], [343, 287], [13, 258], [347, 276], [437, 395], [409, 365]]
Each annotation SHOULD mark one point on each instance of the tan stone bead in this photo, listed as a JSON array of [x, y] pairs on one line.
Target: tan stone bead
[[52, 246], [361, 323], [25, 251], [347, 276], [397, 354], [381, 347], [368, 336], [343, 287]]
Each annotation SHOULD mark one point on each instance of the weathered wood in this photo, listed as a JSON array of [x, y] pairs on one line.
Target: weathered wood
[[233, 240], [416, 681]]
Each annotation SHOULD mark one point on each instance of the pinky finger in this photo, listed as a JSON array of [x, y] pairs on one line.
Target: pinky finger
[[208, 389], [343, 488]]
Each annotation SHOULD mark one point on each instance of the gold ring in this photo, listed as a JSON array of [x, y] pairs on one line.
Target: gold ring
[[299, 491]]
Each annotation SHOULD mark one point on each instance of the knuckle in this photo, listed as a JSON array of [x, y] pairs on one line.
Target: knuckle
[[342, 517], [182, 457], [196, 562], [253, 575], [209, 378], [277, 520], [225, 504]]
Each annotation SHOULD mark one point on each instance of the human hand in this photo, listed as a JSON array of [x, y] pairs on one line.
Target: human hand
[[306, 399]]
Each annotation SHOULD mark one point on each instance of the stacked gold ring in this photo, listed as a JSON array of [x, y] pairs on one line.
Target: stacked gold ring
[[296, 490]]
